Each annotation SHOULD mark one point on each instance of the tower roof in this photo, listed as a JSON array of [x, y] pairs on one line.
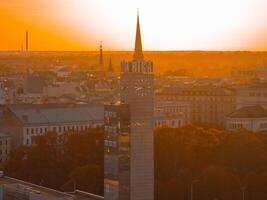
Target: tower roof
[[138, 51], [110, 67]]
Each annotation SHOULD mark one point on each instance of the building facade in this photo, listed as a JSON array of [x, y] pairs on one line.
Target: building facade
[[252, 95], [24, 122], [117, 152], [167, 120], [209, 104], [5, 146], [253, 118]]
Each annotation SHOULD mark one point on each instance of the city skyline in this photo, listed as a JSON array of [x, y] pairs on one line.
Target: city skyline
[[170, 25]]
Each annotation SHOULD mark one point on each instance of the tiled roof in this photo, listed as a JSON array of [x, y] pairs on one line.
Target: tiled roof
[[61, 114], [249, 112]]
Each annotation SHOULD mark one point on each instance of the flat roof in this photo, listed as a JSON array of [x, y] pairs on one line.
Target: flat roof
[[13, 183], [45, 114]]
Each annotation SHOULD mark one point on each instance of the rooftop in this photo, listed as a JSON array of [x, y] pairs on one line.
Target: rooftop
[[14, 185], [44, 114], [249, 112]]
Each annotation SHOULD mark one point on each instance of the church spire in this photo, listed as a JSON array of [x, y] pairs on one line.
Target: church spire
[[110, 67], [138, 51]]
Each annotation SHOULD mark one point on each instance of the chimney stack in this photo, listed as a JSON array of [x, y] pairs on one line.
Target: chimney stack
[[27, 41]]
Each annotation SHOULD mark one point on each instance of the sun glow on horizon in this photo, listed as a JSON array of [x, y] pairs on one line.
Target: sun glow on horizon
[[165, 25]]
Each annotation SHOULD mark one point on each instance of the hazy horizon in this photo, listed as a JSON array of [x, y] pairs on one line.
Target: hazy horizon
[[165, 25]]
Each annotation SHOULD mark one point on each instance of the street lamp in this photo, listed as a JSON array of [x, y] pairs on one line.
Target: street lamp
[[192, 188], [243, 188]]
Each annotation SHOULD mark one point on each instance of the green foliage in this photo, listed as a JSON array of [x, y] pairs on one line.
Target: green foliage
[[221, 161], [56, 161], [217, 164]]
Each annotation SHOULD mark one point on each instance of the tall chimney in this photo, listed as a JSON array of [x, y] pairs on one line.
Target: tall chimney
[[27, 41]]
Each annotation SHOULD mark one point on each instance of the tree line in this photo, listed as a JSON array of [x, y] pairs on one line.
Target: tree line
[[192, 162]]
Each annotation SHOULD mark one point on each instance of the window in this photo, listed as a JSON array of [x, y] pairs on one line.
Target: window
[[106, 187]]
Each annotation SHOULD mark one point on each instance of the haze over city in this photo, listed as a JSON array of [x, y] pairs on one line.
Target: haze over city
[[133, 100], [169, 25]]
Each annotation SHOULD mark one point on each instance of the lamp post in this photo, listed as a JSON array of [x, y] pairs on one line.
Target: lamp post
[[192, 188], [243, 188]]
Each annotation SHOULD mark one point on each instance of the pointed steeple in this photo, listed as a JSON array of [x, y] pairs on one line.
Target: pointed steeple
[[138, 51], [110, 67]]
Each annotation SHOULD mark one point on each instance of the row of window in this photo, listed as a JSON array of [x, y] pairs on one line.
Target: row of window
[[3, 142], [171, 123], [3, 152], [38, 130], [110, 114], [263, 125], [109, 143], [257, 94], [111, 129], [185, 98], [235, 125]]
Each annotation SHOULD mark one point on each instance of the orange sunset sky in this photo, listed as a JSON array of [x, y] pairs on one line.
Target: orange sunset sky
[[165, 24]]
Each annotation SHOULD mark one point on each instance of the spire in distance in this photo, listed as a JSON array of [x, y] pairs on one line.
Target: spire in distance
[[138, 51], [110, 68]]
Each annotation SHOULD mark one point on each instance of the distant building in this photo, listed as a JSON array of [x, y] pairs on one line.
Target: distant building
[[173, 108], [209, 104], [34, 84], [61, 71], [167, 120], [23, 122], [59, 89], [251, 95], [248, 74], [110, 73], [253, 118], [5, 146]]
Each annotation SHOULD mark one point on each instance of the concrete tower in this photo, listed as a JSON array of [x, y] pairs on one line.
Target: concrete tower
[[129, 140], [137, 90]]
